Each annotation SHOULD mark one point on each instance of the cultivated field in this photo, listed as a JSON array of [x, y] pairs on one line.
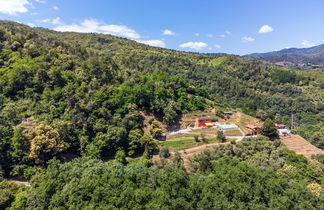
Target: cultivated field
[[186, 142], [300, 146]]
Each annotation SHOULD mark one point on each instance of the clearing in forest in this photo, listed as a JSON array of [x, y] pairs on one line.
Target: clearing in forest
[[300, 146]]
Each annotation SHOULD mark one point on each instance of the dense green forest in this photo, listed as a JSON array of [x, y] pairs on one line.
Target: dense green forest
[[249, 175], [70, 95]]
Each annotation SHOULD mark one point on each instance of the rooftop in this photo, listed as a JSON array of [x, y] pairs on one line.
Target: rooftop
[[252, 126]]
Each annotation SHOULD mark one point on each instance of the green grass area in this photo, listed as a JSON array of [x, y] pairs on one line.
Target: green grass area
[[218, 61], [181, 135], [246, 117], [206, 131], [185, 143], [233, 132]]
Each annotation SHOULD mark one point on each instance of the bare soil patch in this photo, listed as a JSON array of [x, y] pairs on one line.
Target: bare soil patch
[[300, 146]]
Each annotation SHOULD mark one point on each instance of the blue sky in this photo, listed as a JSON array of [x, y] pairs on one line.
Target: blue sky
[[229, 26]]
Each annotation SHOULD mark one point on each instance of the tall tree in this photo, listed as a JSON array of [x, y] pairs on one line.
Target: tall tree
[[269, 129]]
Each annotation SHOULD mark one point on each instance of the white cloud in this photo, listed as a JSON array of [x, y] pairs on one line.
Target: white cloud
[[209, 35], [55, 21], [197, 34], [168, 32], [31, 24], [90, 25], [265, 29], [248, 39], [306, 43], [194, 45], [218, 46], [56, 8], [225, 34], [154, 43], [41, 1], [13, 7]]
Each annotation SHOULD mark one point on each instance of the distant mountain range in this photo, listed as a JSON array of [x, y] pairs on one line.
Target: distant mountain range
[[303, 57]]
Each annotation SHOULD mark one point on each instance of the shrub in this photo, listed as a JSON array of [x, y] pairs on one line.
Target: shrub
[[150, 121], [215, 119], [1, 173], [319, 158], [203, 137], [269, 129], [145, 160], [177, 160], [8, 191], [277, 143], [220, 136], [258, 138], [196, 138], [220, 114], [121, 157], [156, 133], [164, 152], [233, 141]]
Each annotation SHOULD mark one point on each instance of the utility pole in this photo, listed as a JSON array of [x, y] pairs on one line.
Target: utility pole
[[292, 122]]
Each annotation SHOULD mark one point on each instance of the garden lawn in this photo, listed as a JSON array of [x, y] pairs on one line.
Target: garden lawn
[[185, 143]]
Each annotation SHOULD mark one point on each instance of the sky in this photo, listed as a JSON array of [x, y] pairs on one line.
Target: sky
[[207, 26]]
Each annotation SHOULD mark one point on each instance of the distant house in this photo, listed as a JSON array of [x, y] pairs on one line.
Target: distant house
[[283, 131], [280, 126], [284, 63], [202, 122], [253, 129], [228, 113]]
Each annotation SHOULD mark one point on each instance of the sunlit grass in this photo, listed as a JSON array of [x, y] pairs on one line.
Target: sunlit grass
[[233, 132], [186, 142]]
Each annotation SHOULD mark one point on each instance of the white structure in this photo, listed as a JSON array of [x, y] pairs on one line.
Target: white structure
[[284, 132], [226, 126]]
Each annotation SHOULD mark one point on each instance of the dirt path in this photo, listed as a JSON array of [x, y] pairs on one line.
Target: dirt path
[[299, 145], [18, 181]]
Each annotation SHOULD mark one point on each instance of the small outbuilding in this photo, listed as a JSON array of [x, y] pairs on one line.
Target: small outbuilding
[[226, 126], [203, 122], [255, 130], [280, 126]]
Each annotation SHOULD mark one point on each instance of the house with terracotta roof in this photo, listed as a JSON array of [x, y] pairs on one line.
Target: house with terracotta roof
[[203, 122], [253, 129]]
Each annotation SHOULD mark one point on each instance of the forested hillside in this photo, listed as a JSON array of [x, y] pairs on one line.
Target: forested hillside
[[300, 58], [83, 92], [249, 175], [68, 95]]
